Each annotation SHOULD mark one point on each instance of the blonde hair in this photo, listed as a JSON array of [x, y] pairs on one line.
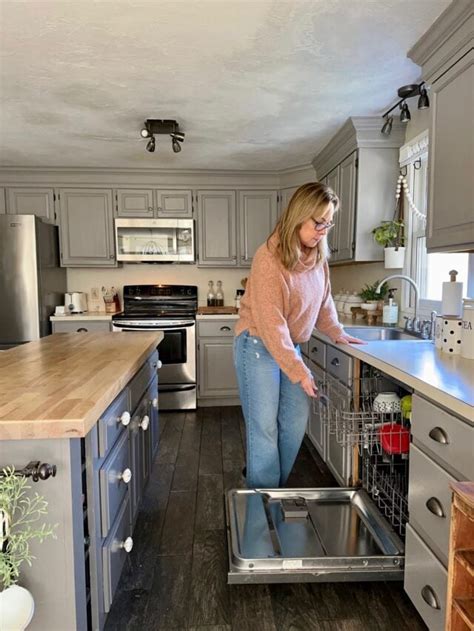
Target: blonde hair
[[309, 201]]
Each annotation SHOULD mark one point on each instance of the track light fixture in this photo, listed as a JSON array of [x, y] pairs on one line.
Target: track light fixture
[[405, 92], [153, 126]]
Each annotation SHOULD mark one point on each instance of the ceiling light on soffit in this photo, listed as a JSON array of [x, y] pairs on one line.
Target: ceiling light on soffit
[[406, 92]]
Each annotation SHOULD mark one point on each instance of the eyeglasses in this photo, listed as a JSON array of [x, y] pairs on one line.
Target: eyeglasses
[[319, 226]]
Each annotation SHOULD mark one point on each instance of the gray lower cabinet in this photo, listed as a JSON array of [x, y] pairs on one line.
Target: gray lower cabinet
[[2, 201], [32, 201], [86, 228], [217, 380], [440, 453], [317, 428], [80, 326]]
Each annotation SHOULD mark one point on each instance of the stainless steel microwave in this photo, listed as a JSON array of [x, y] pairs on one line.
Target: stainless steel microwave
[[155, 240]]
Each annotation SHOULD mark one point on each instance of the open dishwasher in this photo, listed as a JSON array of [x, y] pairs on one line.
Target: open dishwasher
[[333, 534]]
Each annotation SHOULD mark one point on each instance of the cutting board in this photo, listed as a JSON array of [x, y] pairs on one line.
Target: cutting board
[[217, 310]]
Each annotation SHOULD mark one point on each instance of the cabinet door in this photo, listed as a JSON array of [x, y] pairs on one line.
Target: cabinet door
[[286, 195], [86, 228], [338, 456], [174, 203], [134, 202], [3, 207], [316, 424], [347, 197], [217, 376], [257, 218], [332, 180], [217, 229], [451, 189], [31, 201]]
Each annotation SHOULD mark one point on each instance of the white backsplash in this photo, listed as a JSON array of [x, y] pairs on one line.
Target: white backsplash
[[137, 274]]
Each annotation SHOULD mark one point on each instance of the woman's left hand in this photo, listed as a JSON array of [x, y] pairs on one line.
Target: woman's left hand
[[348, 339]]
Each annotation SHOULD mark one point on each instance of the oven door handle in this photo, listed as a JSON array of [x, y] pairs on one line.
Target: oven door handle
[[177, 388], [160, 327]]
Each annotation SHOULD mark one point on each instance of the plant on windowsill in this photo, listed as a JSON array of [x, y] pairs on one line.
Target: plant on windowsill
[[391, 235], [19, 512], [371, 298]]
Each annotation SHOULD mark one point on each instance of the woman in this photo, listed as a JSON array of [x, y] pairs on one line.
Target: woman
[[287, 294]]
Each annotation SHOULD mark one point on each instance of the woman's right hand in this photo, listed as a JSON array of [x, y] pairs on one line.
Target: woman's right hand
[[309, 386]]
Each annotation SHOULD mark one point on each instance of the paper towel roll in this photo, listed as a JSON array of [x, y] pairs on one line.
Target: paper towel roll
[[451, 336], [451, 302]]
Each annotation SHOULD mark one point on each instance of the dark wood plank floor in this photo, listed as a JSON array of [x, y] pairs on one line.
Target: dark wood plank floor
[[176, 575]]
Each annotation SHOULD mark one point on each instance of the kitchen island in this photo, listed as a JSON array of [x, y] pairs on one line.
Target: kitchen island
[[86, 405]]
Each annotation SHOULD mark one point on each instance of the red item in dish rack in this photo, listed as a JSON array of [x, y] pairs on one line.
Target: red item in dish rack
[[394, 439]]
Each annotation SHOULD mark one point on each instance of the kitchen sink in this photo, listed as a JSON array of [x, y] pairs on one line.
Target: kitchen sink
[[378, 333]]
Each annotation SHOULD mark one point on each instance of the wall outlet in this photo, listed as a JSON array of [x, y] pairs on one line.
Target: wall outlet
[[95, 293]]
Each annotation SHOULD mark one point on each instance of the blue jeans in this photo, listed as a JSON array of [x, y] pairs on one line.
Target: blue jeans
[[275, 411]]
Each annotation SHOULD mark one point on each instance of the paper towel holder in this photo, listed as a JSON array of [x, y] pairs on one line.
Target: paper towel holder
[[452, 275]]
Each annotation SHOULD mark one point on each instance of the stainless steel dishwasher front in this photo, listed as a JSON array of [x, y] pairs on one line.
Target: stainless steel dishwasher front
[[309, 535]]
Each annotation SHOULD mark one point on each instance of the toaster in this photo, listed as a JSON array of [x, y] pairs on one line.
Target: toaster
[[75, 302]]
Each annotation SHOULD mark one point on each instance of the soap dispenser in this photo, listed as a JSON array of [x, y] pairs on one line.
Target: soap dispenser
[[390, 310]]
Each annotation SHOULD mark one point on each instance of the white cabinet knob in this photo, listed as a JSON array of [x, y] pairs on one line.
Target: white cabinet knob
[[126, 475], [127, 545], [159, 364], [145, 422], [154, 403], [125, 419]]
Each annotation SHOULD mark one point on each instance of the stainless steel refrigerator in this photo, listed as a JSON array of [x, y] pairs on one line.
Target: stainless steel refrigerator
[[31, 281]]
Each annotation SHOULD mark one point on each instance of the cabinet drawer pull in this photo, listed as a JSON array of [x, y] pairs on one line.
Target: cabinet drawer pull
[[125, 476], [154, 403], [335, 362], [127, 545], [125, 419], [225, 328], [144, 423], [439, 435], [429, 596], [323, 400], [158, 364], [314, 349], [435, 507], [82, 330]]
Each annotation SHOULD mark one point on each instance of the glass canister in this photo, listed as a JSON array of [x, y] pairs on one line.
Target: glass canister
[[467, 332]]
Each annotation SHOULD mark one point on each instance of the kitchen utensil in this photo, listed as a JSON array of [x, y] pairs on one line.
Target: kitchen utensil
[[387, 402], [394, 438]]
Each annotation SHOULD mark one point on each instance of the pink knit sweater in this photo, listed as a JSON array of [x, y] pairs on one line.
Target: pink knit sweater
[[283, 308]]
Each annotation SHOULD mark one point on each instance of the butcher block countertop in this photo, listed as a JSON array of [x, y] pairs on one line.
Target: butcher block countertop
[[58, 386]]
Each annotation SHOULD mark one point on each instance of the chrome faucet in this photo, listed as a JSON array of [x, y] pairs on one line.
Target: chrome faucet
[[413, 324]]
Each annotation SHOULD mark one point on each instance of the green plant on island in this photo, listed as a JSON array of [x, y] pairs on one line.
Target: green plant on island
[[368, 293], [19, 514], [390, 234]]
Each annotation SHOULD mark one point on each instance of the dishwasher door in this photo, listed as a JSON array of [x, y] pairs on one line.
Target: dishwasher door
[[309, 535]]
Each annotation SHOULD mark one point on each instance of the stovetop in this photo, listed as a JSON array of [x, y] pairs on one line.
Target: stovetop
[[152, 302]]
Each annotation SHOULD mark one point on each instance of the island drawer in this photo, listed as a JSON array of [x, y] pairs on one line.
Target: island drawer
[[114, 476], [426, 581], [85, 326], [339, 364], [140, 382], [449, 438], [113, 421], [114, 552], [429, 499], [217, 328], [317, 351]]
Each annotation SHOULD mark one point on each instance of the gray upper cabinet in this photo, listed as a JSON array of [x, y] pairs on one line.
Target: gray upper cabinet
[[134, 202], [31, 201], [446, 56], [174, 203], [3, 207], [361, 166], [86, 228], [151, 203], [217, 228], [257, 218], [285, 195]]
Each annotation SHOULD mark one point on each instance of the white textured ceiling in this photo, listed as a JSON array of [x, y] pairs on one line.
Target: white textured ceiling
[[254, 84]]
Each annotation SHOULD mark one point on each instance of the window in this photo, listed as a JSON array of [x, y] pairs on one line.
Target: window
[[428, 270]]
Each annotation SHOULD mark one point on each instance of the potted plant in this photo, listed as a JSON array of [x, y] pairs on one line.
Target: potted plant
[[370, 297], [19, 512], [391, 236]]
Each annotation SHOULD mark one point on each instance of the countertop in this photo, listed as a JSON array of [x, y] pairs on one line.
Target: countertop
[[58, 386], [445, 379], [89, 315]]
